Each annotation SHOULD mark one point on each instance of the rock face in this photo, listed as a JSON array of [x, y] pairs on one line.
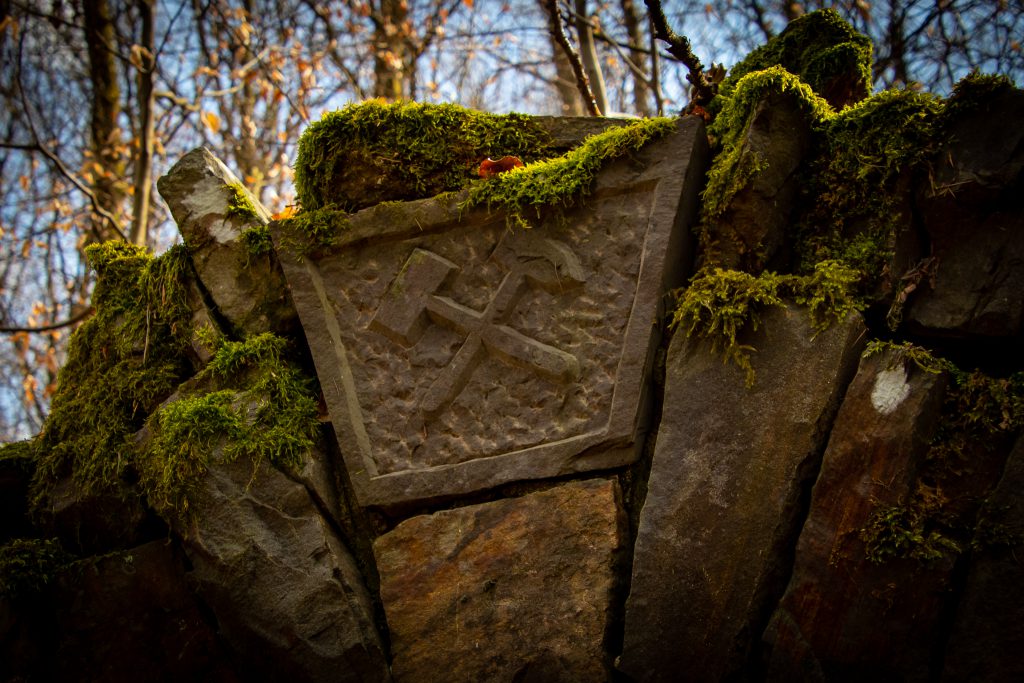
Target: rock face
[[246, 289], [724, 494], [511, 355], [977, 188], [751, 232], [514, 590], [987, 634], [827, 625], [287, 594]]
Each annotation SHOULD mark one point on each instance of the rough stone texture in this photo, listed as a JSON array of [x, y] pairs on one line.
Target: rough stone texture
[[751, 232], [988, 633], [286, 592], [724, 494], [131, 616], [973, 213], [844, 617], [514, 590], [510, 355], [248, 291], [94, 523]]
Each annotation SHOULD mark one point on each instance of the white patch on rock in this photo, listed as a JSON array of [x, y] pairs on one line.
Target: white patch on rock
[[891, 387]]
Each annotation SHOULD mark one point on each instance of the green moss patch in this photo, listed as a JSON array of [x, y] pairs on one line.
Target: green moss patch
[[121, 364], [254, 404], [28, 565], [721, 305], [733, 168], [819, 47], [372, 152], [564, 181]]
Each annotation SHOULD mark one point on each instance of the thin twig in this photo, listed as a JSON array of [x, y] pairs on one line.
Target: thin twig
[[582, 83], [73, 320], [55, 160]]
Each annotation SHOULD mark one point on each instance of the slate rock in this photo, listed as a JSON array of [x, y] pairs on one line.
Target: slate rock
[[972, 210], [987, 637], [510, 355], [750, 233], [97, 522], [844, 617], [247, 290], [724, 491], [518, 589], [131, 616], [286, 592]]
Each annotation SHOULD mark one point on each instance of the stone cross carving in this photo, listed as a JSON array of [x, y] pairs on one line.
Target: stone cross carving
[[456, 355], [411, 304]]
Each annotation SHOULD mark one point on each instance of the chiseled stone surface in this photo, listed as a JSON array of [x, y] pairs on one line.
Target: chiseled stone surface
[[456, 354], [249, 291], [987, 639], [514, 590], [287, 594], [724, 493], [842, 615]]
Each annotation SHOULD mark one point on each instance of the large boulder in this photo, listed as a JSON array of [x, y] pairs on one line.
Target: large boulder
[[724, 494], [517, 589]]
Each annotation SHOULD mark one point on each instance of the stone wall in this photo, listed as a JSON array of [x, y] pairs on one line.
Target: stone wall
[[524, 472]]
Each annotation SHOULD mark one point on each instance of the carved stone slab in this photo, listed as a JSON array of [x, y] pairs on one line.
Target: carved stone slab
[[456, 354]]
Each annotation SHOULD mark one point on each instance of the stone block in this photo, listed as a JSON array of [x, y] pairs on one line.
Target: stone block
[[287, 594], [247, 290], [987, 637], [723, 502], [519, 589], [456, 354], [844, 617]]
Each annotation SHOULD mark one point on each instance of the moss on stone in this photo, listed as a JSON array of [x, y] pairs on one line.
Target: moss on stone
[[240, 206], [28, 565], [559, 183], [820, 48], [20, 455], [420, 149], [722, 305], [121, 363], [973, 91], [732, 168], [317, 230], [981, 416], [252, 403]]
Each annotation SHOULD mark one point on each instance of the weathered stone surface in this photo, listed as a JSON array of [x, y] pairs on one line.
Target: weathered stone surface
[[844, 617], [131, 616], [247, 290], [988, 633], [286, 592], [750, 234], [973, 213], [514, 590], [93, 523], [724, 494], [508, 355]]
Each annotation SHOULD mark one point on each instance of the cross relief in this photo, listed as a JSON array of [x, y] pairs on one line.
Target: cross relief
[[412, 303]]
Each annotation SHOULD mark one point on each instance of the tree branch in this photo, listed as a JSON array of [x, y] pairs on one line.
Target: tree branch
[[679, 47], [555, 26], [73, 320]]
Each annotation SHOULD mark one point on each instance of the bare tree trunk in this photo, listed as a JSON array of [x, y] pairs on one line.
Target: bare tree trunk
[[392, 62], [641, 91], [588, 54], [105, 133], [144, 158]]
